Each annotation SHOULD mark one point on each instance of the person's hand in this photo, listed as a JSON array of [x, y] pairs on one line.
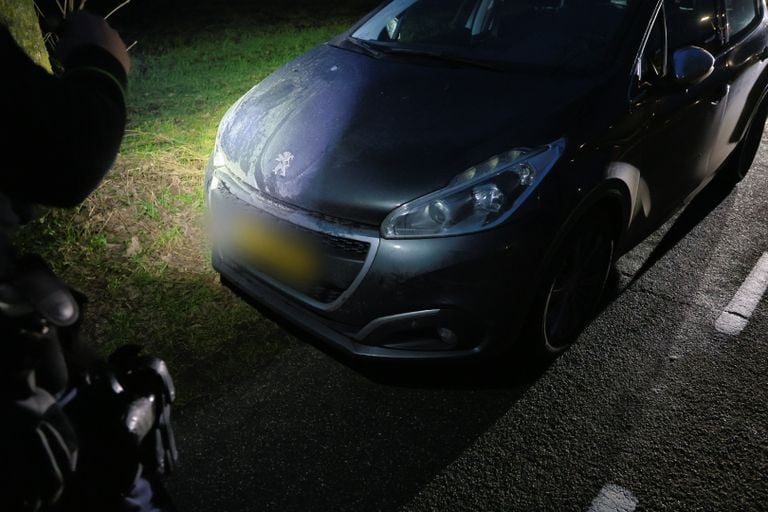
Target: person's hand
[[84, 29]]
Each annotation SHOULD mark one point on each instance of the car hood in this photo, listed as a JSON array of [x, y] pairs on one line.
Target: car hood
[[352, 136]]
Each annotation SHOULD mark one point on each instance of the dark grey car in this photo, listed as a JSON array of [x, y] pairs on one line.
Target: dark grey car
[[451, 178]]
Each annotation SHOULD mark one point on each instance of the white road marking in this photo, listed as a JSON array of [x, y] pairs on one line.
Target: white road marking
[[613, 498], [736, 315]]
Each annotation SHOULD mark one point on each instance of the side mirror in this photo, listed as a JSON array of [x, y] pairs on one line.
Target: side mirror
[[692, 65], [392, 26]]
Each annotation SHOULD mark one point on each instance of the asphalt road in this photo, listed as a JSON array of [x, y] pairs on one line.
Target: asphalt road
[[653, 409]]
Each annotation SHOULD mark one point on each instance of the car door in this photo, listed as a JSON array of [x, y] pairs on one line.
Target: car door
[[747, 55], [677, 124]]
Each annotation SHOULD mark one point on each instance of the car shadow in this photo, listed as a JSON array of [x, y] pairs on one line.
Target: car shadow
[[311, 433], [685, 220]]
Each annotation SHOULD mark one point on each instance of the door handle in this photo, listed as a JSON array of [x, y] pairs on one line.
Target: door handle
[[764, 54]]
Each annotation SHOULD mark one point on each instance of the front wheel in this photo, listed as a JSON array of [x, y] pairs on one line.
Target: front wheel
[[572, 289]]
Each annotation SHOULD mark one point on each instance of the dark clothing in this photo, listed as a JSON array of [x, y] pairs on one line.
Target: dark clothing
[[58, 135]]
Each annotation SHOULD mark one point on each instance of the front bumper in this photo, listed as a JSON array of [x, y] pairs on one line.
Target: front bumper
[[453, 298]]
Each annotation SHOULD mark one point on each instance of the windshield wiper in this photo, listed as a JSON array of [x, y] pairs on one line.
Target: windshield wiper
[[367, 48], [380, 50]]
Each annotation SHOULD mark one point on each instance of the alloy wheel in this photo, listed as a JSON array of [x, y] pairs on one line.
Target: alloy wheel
[[576, 287]]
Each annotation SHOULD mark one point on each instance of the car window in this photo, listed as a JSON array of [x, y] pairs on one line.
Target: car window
[[556, 34], [692, 22], [740, 14]]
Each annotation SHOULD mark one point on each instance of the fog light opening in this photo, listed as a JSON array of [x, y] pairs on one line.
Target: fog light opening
[[447, 336]]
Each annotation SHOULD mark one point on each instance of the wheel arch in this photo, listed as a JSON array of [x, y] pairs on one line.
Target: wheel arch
[[621, 194], [752, 109], [611, 200]]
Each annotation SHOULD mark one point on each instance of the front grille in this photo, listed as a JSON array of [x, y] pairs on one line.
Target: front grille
[[346, 247], [342, 259]]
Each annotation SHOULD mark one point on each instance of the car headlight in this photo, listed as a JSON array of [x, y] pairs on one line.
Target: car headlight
[[217, 164], [220, 164], [480, 198], [219, 159]]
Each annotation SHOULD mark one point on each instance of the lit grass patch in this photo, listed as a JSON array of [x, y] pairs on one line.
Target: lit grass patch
[[148, 278], [180, 92]]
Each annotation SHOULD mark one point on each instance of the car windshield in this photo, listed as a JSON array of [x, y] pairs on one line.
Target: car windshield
[[569, 34]]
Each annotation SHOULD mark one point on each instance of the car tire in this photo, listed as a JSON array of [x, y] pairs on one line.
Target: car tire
[[738, 164], [572, 288]]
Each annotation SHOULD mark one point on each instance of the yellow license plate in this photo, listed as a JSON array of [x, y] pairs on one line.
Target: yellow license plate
[[277, 253]]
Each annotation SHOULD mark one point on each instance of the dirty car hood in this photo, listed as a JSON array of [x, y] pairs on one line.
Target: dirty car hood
[[352, 136]]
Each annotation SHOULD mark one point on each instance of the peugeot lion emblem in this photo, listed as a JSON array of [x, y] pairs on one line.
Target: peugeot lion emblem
[[283, 163]]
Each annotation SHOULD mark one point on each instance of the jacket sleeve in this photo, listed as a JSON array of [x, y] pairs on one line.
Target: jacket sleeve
[[58, 135]]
